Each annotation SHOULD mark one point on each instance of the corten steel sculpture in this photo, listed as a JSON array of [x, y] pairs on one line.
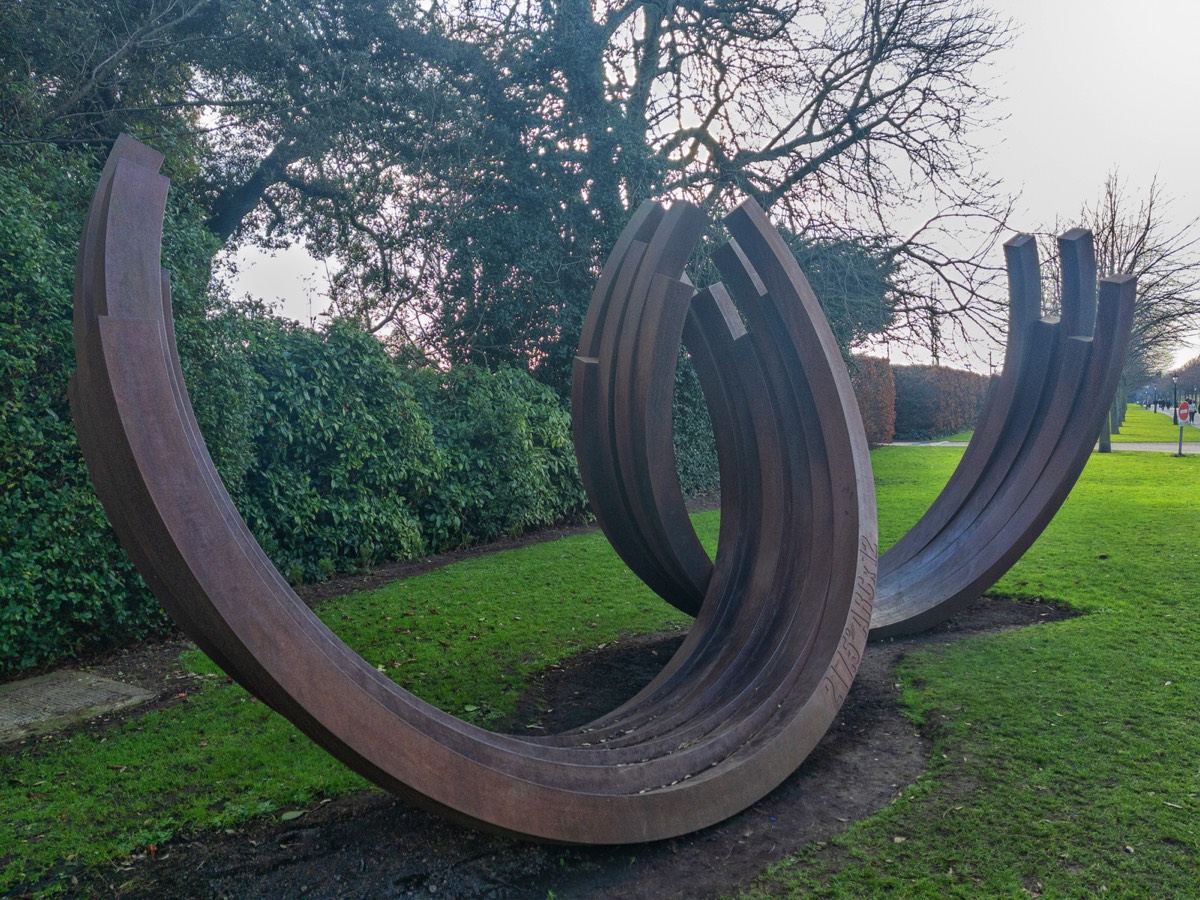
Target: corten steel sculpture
[[784, 612], [1039, 422]]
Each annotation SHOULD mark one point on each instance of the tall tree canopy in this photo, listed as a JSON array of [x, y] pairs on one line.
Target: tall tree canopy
[[470, 162]]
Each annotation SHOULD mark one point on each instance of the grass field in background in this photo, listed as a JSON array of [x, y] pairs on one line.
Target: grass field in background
[[960, 436], [1145, 426], [1066, 756], [1141, 426]]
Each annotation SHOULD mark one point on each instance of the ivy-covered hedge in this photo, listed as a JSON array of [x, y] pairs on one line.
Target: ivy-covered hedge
[[355, 459], [695, 445], [507, 462], [64, 582], [342, 453]]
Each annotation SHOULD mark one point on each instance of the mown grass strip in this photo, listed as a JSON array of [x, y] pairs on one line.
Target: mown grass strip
[[1142, 425], [960, 436], [464, 637], [1066, 758]]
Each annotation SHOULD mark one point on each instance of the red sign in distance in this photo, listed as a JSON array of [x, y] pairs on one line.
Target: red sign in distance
[[1183, 411]]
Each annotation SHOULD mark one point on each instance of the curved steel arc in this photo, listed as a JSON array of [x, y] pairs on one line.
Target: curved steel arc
[[785, 494], [1004, 419], [1041, 416], [758, 681], [621, 377], [1028, 450]]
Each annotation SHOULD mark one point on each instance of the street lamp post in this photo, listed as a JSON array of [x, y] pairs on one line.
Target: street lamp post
[[1175, 399]]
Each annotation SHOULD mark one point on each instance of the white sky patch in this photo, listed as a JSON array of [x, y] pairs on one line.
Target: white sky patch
[[1095, 84], [290, 280]]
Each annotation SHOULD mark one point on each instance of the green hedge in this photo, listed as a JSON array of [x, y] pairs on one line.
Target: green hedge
[[506, 458], [875, 389], [341, 452], [695, 446], [337, 456], [64, 582], [934, 401]]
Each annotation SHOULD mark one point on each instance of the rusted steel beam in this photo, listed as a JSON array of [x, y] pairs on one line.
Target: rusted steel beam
[[784, 615]]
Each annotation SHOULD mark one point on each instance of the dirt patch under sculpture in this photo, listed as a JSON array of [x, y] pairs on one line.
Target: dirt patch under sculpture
[[371, 845]]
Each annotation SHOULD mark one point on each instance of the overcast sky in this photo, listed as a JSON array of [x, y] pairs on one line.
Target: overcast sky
[[1087, 86], [1095, 84]]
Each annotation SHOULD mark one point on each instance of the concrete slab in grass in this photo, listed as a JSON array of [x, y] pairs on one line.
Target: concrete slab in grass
[[51, 702]]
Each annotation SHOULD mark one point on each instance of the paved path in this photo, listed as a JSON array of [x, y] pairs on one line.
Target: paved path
[[51, 702]]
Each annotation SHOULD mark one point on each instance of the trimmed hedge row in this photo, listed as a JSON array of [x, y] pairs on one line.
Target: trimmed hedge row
[[875, 389], [64, 582], [695, 445], [356, 460], [933, 401]]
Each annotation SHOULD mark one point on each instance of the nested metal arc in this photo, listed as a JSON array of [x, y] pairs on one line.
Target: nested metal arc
[[625, 365], [1038, 425], [760, 676], [780, 487]]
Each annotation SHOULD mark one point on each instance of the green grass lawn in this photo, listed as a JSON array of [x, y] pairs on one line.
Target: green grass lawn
[[1144, 426], [1066, 756], [1141, 426], [960, 436], [463, 637]]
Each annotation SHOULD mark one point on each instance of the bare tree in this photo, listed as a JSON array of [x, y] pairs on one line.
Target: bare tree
[[1135, 235], [842, 118]]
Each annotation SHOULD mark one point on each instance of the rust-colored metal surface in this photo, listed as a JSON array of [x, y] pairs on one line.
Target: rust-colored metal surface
[[1039, 424], [782, 615]]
